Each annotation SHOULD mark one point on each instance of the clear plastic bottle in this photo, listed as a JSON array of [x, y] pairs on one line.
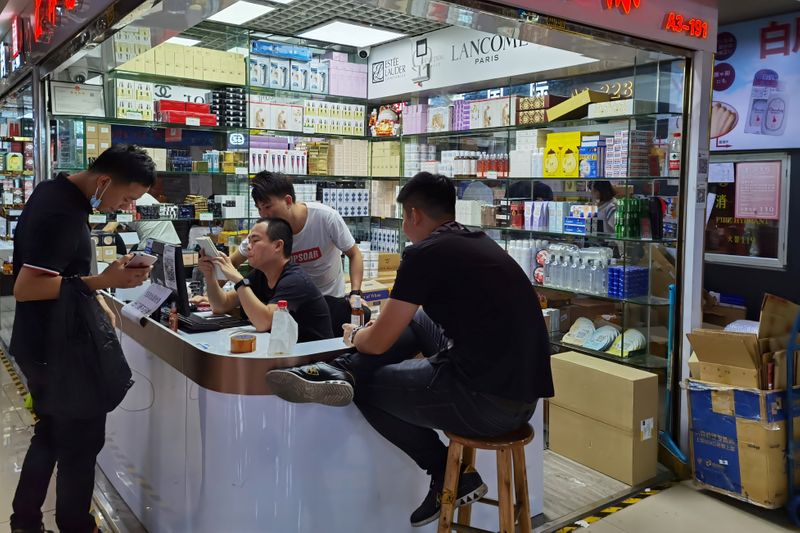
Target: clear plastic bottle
[[555, 270], [675, 146], [601, 279], [565, 271], [583, 276], [574, 280]]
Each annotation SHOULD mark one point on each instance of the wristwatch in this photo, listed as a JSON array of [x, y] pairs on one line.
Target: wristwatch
[[355, 293], [245, 282], [353, 334]]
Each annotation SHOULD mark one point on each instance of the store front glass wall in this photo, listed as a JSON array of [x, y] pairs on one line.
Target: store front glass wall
[[17, 171], [221, 103]]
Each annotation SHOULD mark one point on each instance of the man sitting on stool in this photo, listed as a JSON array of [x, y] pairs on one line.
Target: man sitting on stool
[[493, 360], [274, 277]]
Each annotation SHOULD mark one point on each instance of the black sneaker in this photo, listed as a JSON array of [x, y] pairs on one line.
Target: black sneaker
[[317, 383], [470, 489]]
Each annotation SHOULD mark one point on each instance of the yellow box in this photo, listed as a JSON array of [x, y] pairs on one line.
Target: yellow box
[[180, 62], [577, 106], [211, 65], [197, 60], [92, 131], [109, 254], [159, 60], [149, 61], [562, 154], [169, 59]]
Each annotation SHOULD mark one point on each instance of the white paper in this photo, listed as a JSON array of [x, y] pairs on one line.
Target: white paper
[[192, 121], [721, 173], [147, 303], [647, 427], [241, 171], [97, 219], [205, 217], [124, 218]]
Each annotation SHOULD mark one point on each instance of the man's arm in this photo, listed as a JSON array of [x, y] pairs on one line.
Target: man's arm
[[221, 302], [33, 285], [356, 267], [395, 316], [259, 313]]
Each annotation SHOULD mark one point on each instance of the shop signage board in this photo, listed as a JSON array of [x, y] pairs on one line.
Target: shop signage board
[[758, 187], [756, 73], [455, 56], [689, 24]]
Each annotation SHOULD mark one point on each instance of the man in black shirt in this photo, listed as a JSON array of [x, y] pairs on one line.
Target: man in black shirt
[[52, 242], [274, 277], [492, 364]]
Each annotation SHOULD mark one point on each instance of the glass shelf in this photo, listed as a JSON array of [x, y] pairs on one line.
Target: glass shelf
[[16, 139], [641, 360], [609, 237], [18, 174], [525, 127], [172, 80], [111, 218], [314, 177], [546, 179], [283, 133], [152, 124], [647, 301], [288, 93]]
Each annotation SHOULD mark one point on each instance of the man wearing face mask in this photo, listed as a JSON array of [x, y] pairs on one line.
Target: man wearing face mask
[[52, 242]]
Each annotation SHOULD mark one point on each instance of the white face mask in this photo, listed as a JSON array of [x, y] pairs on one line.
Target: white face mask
[[96, 200]]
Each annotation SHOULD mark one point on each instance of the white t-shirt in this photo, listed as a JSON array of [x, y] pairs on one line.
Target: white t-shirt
[[318, 246], [158, 230]]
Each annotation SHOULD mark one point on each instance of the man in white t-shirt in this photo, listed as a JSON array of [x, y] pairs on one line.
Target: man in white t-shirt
[[320, 235]]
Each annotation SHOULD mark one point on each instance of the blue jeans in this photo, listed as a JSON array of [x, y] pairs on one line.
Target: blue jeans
[[406, 398]]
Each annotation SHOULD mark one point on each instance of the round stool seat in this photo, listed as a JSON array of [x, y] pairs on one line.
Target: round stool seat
[[513, 439]]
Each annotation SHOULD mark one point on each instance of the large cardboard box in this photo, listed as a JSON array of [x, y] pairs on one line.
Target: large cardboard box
[[741, 359], [605, 416], [722, 315], [738, 439]]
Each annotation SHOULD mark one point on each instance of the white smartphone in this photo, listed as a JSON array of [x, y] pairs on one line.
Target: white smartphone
[[141, 260]]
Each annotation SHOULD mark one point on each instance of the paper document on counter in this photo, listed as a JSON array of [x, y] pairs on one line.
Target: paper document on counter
[[147, 303]]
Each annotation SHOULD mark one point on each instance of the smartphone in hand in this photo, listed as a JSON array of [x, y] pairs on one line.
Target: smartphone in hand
[[141, 260]]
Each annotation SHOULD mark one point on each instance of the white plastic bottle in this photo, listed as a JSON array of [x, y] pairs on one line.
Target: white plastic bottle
[[283, 336], [675, 147]]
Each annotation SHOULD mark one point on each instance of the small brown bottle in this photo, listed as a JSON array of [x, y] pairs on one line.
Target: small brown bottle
[[173, 318], [356, 312]]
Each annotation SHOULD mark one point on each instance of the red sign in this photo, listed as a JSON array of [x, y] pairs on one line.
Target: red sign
[[16, 38], [46, 17], [624, 5], [693, 27]]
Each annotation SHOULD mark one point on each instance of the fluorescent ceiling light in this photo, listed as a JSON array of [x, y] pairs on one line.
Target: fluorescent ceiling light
[[241, 50], [348, 33], [284, 2], [241, 12], [183, 41]]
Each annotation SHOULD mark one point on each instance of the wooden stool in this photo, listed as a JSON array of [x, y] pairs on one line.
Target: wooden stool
[[462, 450]]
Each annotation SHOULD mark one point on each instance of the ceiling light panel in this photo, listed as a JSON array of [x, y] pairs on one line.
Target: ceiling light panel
[[240, 13], [350, 34], [183, 41]]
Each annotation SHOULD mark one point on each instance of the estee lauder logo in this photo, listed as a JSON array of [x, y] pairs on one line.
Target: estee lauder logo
[[486, 49], [624, 5]]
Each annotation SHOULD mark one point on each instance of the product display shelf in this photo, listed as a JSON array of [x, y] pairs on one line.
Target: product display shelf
[[305, 95], [17, 173], [306, 135], [556, 235], [645, 301], [505, 180], [169, 80], [16, 139], [639, 360], [195, 219], [148, 124], [556, 124], [314, 177]]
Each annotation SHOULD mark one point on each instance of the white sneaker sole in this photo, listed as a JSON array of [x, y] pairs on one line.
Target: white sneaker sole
[[293, 388], [467, 499]]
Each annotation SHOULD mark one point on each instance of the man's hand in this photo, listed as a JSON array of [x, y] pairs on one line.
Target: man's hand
[[206, 266], [116, 276], [348, 329], [227, 267]]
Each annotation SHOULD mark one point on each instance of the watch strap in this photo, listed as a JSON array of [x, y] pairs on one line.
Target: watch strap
[[244, 282]]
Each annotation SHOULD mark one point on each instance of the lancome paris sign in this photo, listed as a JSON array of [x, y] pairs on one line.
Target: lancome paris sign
[[453, 56]]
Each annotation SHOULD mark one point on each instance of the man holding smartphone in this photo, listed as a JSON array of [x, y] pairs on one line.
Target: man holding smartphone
[[52, 242]]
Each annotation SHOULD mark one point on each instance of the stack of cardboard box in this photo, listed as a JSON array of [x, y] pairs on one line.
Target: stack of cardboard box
[[98, 139], [738, 407]]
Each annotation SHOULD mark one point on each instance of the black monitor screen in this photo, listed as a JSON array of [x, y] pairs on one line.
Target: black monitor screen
[[169, 272]]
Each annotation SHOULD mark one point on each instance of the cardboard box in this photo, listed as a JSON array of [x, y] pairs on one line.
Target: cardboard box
[[722, 315], [388, 262], [577, 106], [605, 416], [738, 441], [739, 359]]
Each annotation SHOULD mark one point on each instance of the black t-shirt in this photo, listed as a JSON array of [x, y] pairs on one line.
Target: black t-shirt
[[306, 304], [486, 304], [52, 233]]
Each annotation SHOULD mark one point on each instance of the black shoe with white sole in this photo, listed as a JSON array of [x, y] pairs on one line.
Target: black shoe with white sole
[[318, 383], [471, 488]]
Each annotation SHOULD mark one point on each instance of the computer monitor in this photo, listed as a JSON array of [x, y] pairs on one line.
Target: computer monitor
[[169, 272]]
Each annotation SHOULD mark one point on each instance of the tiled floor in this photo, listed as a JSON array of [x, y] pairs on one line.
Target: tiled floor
[[684, 508]]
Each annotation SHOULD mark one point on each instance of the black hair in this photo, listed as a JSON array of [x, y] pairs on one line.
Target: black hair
[[127, 163], [605, 189], [271, 184], [433, 194], [279, 229]]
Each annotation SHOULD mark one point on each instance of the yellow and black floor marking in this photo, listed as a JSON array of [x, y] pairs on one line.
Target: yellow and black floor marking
[[21, 390], [611, 509]]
